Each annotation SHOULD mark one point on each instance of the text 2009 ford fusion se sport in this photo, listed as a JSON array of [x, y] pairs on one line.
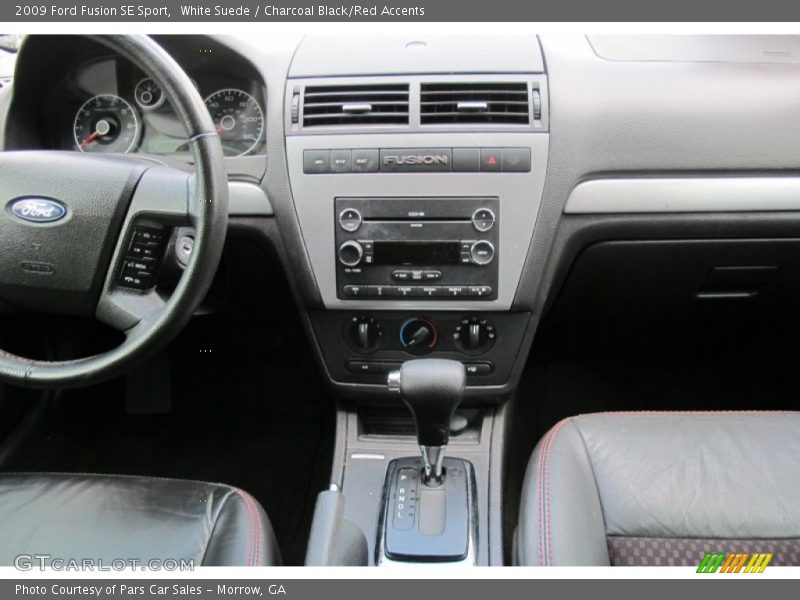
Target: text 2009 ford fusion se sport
[[360, 300]]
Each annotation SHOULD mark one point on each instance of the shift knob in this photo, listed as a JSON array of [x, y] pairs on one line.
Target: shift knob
[[432, 388]]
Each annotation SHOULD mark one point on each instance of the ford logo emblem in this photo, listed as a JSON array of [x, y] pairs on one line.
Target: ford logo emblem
[[38, 210]]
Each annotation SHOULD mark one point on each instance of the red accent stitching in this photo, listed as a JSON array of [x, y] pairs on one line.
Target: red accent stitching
[[629, 413], [544, 467], [259, 528], [250, 532], [547, 476], [539, 490]]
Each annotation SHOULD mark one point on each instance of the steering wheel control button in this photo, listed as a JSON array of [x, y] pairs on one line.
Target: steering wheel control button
[[341, 161], [365, 160], [350, 220], [516, 160], [350, 253], [316, 162], [483, 219], [482, 252], [141, 262]]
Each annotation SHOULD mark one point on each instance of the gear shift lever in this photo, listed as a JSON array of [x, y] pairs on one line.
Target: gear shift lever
[[432, 388]]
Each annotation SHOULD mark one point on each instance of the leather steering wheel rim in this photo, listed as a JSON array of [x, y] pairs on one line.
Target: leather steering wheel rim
[[206, 204]]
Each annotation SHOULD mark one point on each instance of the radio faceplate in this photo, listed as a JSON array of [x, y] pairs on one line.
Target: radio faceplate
[[417, 248]]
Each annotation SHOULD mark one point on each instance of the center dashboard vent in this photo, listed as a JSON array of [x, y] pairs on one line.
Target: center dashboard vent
[[356, 105], [475, 103]]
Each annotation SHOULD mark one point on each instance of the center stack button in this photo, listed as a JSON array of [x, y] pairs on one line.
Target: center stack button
[[350, 219]]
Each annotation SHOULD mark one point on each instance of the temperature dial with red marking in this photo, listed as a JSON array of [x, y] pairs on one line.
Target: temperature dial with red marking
[[418, 335]]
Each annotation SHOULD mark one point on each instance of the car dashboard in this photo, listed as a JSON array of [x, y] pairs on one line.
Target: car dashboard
[[431, 193], [450, 196]]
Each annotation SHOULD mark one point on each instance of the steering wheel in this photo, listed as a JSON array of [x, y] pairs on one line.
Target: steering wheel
[[69, 222]]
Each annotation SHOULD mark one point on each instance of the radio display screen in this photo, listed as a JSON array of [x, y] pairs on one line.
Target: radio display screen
[[413, 254]]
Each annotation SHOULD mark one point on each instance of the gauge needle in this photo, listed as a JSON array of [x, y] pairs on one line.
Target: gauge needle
[[220, 128], [90, 138]]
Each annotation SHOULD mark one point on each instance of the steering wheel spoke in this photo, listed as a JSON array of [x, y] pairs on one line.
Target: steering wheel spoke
[[160, 203]]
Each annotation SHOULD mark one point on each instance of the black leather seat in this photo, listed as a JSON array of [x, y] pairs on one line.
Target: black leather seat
[[108, 517], [662, 489]]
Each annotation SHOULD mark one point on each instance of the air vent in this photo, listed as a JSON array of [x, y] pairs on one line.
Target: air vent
[[356, 105], [475, 103]]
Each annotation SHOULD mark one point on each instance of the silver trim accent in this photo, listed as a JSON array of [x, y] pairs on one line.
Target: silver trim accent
[[687, 194], [481, 262], [350, 229], [248, 199], [393, 380], [519, 193], [367, 456], [433, 462], [471, 559], [355, 108], [485, 229], [359, 250], [472, 106]]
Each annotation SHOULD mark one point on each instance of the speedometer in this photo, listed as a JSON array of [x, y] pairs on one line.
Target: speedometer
[[106, 123], [238, 118]]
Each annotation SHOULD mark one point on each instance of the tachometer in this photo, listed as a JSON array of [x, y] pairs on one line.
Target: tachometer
[[106, 123], [238, 118]]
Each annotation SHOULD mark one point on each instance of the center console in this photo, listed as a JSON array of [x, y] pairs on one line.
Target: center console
[[416, 183]]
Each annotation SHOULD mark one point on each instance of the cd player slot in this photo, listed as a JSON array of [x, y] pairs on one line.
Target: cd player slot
[[414, 220]]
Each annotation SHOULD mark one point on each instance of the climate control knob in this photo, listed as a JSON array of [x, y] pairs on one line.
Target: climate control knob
[[364, 333], [418, 335], [350, 253], [474, 335]]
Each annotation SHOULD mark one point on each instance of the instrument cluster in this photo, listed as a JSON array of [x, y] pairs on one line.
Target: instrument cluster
[[107, 105]]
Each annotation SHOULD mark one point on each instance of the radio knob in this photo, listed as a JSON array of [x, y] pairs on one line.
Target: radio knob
[[350, 219], [350, 253], [483, 219], [482, 252]]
